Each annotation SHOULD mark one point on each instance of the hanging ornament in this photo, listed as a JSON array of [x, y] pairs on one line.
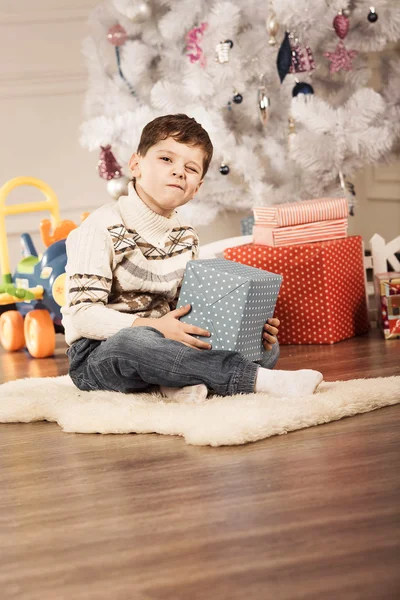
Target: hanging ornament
[[222, 51], [118, 187], [137, 12], [193, 50], [117, 35], [302, 87], [272, 27], [284, 58], [341, 58], [341, 25], [349, 192], [108, 166], [372, 15], [291, 131], [237, 99], [224, 169], [263, 102], [142, 13], [302, 58], [128, 83]]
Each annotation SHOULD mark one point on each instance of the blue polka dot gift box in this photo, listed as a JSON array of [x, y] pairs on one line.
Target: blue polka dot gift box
[[230, 300]]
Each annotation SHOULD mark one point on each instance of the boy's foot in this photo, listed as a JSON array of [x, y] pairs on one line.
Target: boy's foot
[[190, 394], [287, 383]]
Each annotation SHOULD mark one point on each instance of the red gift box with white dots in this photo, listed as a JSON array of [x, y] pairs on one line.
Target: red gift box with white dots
[[322, 298]]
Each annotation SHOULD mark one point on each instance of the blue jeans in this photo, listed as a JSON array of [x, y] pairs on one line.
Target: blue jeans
[[136, 358]]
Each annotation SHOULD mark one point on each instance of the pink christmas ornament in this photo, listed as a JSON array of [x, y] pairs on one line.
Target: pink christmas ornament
[[302, 59], [341, 25], [108, 167], [117, 35], [340, 58], [193, 50]]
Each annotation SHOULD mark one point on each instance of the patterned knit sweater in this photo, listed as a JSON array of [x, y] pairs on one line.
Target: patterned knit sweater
[[124, 262]]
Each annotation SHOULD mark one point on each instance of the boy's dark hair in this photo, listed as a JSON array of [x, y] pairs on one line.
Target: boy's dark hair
[[181, 128]]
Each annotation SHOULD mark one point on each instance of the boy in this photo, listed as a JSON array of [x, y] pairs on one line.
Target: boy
[[125, 267]]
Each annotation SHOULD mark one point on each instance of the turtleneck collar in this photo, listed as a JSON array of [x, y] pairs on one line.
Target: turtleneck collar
[[152, 227]]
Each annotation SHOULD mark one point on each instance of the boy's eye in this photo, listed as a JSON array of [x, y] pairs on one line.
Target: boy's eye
[[167, 158]]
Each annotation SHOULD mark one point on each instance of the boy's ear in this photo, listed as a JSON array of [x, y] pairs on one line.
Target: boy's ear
[[134, 165], [198, 187]]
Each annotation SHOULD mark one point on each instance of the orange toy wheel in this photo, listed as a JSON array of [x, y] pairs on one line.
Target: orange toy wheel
[[39, 333], [12, 331]]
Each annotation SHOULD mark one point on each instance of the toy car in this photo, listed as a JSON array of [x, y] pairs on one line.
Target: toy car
[[37, 287]]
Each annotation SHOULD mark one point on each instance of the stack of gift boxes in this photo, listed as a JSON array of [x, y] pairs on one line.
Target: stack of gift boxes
[[322, 298], [301, 222]]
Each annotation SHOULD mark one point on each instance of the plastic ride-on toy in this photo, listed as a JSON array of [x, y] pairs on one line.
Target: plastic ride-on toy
[[37, 289]]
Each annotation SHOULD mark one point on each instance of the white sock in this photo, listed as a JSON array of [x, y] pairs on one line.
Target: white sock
[[190, 394], [287, 383]]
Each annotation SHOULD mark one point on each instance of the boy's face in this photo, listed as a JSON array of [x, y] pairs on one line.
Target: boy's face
[[168, 176]]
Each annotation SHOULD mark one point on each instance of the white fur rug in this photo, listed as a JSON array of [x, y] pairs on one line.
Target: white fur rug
[[216, 422]]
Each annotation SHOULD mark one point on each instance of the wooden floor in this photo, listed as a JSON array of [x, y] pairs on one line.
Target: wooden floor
[[311, 515]]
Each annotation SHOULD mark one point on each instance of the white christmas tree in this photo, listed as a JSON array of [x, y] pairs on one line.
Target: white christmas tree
[[283, 89]]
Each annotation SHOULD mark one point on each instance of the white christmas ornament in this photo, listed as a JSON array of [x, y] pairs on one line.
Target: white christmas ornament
[[118, 187], [222, 49]]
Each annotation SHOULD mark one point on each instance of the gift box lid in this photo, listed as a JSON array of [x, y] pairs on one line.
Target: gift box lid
[[304, 211], [229, 267]]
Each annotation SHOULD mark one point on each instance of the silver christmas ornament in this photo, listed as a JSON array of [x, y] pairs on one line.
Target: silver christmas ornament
[[118, 187], [143, 13], [349, 192], [137, 12], [272, 27], [263, 103]]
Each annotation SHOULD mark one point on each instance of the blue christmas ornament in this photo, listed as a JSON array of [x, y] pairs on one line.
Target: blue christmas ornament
[[302, 88], [224, 169], [284, 58]]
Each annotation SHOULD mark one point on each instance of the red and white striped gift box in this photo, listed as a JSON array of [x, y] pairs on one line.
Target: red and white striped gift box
[[296, 213], [300, 234]]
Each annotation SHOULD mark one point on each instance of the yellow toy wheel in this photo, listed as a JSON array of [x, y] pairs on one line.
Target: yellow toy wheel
[[39, 333], [12, 331], [58, 289]]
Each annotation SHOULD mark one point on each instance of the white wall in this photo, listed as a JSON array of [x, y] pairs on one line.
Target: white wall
[[42, 85]]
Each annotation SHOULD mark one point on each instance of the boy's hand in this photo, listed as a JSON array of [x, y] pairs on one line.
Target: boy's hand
[[173, 329], [270, 332]]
